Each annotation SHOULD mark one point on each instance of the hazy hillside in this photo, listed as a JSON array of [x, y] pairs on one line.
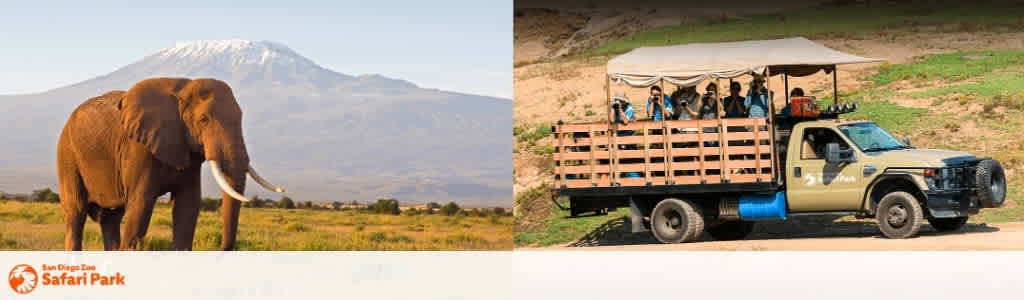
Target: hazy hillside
[[322, 134]]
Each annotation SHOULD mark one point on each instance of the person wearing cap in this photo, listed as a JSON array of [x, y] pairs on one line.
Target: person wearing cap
[[734, 107], [623, 109], [757, 98], [623, 115], [658, 104]]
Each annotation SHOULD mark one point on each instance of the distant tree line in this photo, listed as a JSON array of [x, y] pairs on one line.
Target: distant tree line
[[40, 195], [385, 206]]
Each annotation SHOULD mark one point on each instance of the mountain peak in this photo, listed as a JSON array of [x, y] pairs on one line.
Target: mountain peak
[[236, 51]]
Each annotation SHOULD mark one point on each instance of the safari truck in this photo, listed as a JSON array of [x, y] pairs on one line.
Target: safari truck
[[682, 177]]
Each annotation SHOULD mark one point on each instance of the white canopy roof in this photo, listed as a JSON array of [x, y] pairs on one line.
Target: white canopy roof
[[690, 64]]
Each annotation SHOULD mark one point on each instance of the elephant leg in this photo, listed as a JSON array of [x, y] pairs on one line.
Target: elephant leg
[[185, 210], [74, 224], [138, 210], [73, 204], [110, 223]]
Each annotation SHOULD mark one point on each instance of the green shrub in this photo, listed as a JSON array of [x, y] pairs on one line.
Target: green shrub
[[450, 209], [387, 207], [286, 203], [530, 137], [209, 204]]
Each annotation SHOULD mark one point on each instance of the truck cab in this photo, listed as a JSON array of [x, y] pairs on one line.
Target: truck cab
[[850, 165]]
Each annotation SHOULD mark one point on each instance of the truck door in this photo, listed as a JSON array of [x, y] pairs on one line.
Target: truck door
[[812, 185]]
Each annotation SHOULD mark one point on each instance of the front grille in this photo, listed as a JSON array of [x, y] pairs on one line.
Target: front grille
[[953, 178]]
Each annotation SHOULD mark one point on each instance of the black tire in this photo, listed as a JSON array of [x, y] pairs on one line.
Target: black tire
[[947, 224], [698, 227], [991, 183], [899, 215], [675, 221], [731, 230]]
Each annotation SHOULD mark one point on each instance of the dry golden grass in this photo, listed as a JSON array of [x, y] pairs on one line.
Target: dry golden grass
[[40, 226]]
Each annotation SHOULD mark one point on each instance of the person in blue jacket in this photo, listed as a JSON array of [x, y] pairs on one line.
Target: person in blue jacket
[[758, 98], [656, 110], [624, 115]]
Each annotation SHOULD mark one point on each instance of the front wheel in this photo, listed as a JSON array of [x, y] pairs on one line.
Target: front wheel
[[947, 224], [676, 221], [899, 215]]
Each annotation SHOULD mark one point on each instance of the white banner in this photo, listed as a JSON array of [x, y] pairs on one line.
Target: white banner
[[513, 275]]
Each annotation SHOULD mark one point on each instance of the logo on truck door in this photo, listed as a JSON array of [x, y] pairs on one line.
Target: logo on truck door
[[811, 179]]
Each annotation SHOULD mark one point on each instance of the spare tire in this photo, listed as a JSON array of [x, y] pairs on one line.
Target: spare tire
[[990, 181]]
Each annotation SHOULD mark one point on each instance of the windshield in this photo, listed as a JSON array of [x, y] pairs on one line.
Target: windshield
[[869, 137]]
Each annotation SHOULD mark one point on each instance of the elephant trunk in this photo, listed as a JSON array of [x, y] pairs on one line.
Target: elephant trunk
[[229, 213], [229, 163]]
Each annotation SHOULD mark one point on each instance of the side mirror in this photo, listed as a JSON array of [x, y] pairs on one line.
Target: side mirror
[[834, 155], [906, 141]]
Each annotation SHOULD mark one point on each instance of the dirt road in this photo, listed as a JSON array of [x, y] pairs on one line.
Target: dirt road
[[842, 236]]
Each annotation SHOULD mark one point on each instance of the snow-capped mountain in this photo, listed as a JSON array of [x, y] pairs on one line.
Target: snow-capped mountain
[[325, 135]]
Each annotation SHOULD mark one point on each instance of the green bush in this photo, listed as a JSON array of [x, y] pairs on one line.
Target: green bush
[[209, 204], [45, 195], [286, 203], [450, 209], [387, 207], [530, 137]]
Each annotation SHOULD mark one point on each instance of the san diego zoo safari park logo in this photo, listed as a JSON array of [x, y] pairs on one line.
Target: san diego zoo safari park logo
[[24, 278]]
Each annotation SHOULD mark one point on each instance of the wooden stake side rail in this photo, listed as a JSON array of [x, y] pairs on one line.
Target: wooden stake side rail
[[588, 155]]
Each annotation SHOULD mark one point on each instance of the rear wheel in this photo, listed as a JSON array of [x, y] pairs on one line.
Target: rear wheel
[[899, 215], [676, 221], [731, 230], [947, 224]]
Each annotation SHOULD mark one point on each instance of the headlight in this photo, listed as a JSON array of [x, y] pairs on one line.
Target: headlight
[[929, 178]]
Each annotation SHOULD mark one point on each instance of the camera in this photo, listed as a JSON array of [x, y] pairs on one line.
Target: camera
[[619, 104]]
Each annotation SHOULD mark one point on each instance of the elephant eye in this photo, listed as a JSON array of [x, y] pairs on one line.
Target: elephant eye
[[204, 118]]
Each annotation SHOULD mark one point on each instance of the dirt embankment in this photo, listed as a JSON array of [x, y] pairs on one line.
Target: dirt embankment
[[544, 29]]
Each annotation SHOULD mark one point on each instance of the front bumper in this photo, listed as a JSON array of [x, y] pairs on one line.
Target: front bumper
[[952, 203], [951, 192]]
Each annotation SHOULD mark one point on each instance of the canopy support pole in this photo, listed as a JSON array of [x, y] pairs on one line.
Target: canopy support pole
[[612, 147], [666, 140], [771, 128], [835, 85], [723, 143], [785, 81]]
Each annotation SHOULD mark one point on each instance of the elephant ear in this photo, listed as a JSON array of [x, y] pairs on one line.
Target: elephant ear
[[150, 116]]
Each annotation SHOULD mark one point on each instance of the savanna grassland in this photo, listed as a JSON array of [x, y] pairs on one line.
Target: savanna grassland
[[951, 80], [40, 226]]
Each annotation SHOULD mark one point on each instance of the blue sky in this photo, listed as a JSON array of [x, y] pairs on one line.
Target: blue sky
[[463, 46]]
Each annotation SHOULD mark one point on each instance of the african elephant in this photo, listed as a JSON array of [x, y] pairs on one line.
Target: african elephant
[[118, 152]]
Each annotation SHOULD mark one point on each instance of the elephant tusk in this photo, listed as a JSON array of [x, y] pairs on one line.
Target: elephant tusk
[[219, 176], [263, 182]]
